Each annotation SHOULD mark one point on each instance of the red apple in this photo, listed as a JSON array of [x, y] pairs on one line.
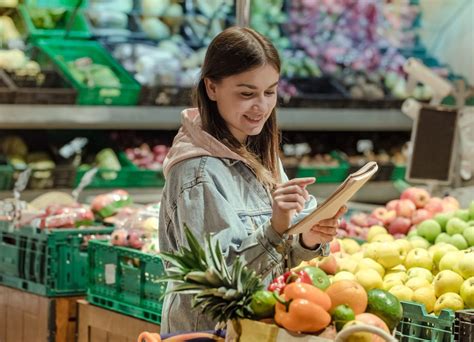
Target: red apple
[[136, 239], [450, 204], [360, 219], [400, 225], [372, 221], [119, 237], [335, 246], [343, 224], [328, 264], [351, 229], [383, 215], [405, 208], [392, 205], [434, 205], [341, 233], [421, 215], [417, 195]]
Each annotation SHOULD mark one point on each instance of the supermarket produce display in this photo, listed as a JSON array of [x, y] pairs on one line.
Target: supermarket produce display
[[93, 89]]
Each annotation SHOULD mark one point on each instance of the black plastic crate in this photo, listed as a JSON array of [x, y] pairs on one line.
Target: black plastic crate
[[464, 326], [165, 96], [7, 89]]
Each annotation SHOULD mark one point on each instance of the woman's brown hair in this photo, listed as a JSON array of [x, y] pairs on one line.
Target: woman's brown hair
[[233, 51]]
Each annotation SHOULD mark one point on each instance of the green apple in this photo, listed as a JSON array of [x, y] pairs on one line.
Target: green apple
[[419, 242], [441, 251], [471, 223], [468, 234], [447, 281], [467, 293], [450, 261], [463, 214], [402, 292], [413, 232], [443, 237], [471, 210], [442, 219], [420, 272], [449, 300], [429, 230], [459, 241], [419, 257], [456, 226], [466, 265]]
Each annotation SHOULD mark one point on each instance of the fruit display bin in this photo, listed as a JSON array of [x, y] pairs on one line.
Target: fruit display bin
[[78, 25], [464, 326], [49, 262], [126, 280], [128, 176], [326, 174], [417, 325], [64, 51]]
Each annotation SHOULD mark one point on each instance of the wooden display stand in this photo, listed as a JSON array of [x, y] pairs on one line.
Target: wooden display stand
[[100, 325], [28, 317]]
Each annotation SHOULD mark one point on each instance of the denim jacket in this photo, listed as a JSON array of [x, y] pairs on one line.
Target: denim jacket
[[222, 197]]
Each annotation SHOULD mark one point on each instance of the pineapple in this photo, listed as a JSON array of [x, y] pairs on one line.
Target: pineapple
[[223, 293]]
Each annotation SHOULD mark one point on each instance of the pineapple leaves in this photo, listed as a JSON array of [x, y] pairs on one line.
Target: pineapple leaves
[[220, 291]]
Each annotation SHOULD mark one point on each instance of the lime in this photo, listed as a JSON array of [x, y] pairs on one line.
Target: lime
[[263, 304], [341, 315]]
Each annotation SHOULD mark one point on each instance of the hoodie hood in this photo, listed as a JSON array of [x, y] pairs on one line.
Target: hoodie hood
[[192, 141]]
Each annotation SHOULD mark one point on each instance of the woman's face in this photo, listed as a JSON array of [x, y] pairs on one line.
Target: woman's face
[[246, 100]]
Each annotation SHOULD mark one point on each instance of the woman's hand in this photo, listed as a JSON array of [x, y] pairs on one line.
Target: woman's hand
[[324, 231], [289, 198]]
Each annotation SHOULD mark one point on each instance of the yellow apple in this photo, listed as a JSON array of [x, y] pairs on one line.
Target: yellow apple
[[383, 238], [358, 256], [344, 275], [426, 296], [369, 263], [420, 272], [450, 261], [404, 246], [467, 293], [374, 231], [449, 300], [419, 257], [447, 281], [369, 279], [441, 250], [387, 255], [402, 276], [350, 246], [346, 264], [417, 282], [389, 283], [402, 292], [466, 265]]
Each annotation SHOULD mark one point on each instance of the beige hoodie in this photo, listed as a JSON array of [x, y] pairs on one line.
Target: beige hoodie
[[192, 141]]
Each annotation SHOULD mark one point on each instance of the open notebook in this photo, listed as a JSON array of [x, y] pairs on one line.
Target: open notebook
[[341, 196]]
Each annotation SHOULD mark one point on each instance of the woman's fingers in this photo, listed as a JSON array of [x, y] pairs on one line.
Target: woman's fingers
[[324, 230], [333, 222], [299, 181], [292, 189]]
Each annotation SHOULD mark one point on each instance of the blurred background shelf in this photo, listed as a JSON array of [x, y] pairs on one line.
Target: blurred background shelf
[[168, 118]]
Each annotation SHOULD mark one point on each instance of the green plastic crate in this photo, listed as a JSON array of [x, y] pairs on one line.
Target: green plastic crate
[[130, 176], [417, 325], [62, 52], [126, 280], [326, 174], [46, 262], [6, 177], [398, 172], [79, 28], [56, 3]]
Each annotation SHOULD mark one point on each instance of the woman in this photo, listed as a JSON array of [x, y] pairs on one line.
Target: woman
[[224, 177]]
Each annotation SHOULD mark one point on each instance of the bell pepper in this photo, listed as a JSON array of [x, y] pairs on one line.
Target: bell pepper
[[302, 310], [278, 284]]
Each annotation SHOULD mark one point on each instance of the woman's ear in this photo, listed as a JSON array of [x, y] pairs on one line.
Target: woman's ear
[[210, 89]]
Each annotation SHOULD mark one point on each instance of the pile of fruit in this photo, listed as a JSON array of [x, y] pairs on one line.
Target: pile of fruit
[[301, 301], [440, 276], [401, 216]]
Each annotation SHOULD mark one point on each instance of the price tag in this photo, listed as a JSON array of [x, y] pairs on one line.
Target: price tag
[[110, 274], [85, 181]]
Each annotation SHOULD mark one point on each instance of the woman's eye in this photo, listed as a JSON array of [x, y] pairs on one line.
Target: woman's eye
[[269, 93], [246, 94]]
